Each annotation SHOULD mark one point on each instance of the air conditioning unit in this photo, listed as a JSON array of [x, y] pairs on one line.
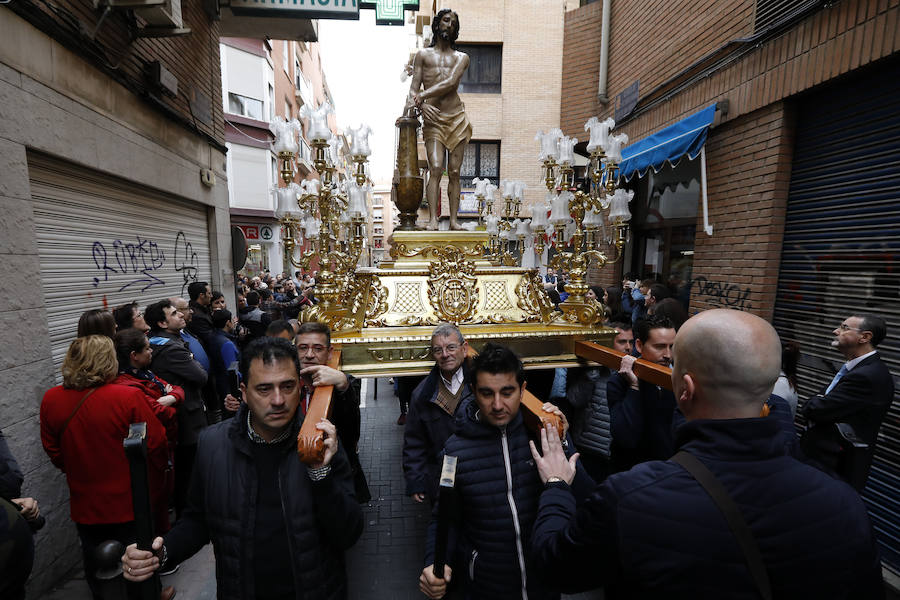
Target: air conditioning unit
[[167, 14]]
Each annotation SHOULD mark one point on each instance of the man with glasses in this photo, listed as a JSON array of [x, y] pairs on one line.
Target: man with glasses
[[431, 411], [314, 348], [854, 403]]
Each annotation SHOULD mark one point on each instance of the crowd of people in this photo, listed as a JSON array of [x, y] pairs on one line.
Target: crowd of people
[[702, 490]]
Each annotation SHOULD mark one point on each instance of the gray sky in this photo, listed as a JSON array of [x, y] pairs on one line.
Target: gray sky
[[363, 63]]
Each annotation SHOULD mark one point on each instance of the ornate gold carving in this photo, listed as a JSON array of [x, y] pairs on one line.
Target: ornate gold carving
[[451, 286], [495, 296], [408, 298], [398, 354], [377, 301], [587, 313], [532, 299], [399, 249]]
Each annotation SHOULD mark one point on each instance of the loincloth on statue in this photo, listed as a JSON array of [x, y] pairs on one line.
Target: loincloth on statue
[[450, 129]]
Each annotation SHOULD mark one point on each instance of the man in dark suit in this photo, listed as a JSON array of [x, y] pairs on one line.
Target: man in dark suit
[[853, 405]]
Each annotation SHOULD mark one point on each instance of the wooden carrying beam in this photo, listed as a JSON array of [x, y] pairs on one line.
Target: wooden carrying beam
[[535, 417], [311, 441], [648, 371]]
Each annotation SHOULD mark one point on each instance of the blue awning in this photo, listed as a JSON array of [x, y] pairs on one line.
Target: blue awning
[[685, 138]]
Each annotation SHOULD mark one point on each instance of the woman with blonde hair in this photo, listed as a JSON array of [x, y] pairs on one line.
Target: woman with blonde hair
[[83, 424]]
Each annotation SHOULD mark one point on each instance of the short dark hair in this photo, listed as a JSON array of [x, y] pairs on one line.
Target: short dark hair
[[873, 323], [276, 327], [265, 294], [220, 318], [252, 299], [316, 327], [96, 322], [216, 295], [196, 288], [624, 326], [659, 291], [672, 309], [155, 313], [124, 315], [643, 327], [495, 359], [269, 350], [128, 341]]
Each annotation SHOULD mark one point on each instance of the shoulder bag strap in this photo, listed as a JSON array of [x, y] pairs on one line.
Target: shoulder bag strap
[[83, 398], [732, 514]]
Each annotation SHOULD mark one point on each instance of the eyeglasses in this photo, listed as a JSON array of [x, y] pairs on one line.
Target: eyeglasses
[[449, 348], [317, 348], [845, 327]]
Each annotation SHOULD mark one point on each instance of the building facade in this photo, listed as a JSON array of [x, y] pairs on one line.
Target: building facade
[[113, 189], [262, 79], [799, 221]]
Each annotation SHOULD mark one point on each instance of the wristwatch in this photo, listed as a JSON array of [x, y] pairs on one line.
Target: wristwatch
[[320, 473], [554, 481]]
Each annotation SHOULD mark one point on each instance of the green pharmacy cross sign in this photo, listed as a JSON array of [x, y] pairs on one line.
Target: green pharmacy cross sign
[[390, 12]]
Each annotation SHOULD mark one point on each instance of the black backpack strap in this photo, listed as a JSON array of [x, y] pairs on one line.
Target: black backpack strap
[[733, 515]]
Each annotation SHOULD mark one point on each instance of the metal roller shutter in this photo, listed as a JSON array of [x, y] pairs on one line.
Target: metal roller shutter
[[104, 242], [840, 254]]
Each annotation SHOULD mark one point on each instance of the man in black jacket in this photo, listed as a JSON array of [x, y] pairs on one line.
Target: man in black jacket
[[655, 532], [279, 527], [432, 407], [173, 361], [201, 325], [857, 398]]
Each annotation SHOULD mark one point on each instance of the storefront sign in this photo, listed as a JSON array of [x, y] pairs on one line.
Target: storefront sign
[[251, 232], [265, 233], [389, 12], [301, 9]]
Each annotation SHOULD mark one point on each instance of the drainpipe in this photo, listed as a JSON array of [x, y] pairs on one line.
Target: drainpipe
[[604, 54]]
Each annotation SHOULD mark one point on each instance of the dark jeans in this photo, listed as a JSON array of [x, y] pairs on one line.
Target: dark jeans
[[94, 535]]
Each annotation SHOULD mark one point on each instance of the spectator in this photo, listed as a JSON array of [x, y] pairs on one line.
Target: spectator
[[198, 348], [83, 423], [786, 384], [314, 348], [279, 528], [97, 322], [641, 413], [268, 305], [550, 279], [134, 356], [669, 308], [254, 319], [586, 394], [281, 328], [655, 532], [200, 324], [20, 517], [432, 408], [173, 361], [128, 316], [655, 294], [857, 398], [497, 487], [226, 355], [217, 301], [633, 298], [612, 298], [561, 289]]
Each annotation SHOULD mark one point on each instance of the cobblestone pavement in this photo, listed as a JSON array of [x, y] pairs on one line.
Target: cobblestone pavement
[[386, 561]]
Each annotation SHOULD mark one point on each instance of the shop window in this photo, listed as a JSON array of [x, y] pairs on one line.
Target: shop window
[[663, 226], [485, 68], [244, 106], [481, 159]]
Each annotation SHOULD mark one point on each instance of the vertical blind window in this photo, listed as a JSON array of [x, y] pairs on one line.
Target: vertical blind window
[[484, 72]]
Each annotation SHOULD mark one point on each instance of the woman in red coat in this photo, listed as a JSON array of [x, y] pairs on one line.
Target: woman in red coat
[[83, 424], [134, 354]]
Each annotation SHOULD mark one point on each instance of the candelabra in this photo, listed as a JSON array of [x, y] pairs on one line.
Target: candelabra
[[577, 216], [328, 214]]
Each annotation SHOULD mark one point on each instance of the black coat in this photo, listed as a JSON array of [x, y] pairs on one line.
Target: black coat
[[428, 426], [322, 518], [654, 532], [641, 422], [173, 362], [861, 398]]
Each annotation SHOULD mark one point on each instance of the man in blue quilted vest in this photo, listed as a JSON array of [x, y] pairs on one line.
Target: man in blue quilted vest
[[657, 532], [497, 487]]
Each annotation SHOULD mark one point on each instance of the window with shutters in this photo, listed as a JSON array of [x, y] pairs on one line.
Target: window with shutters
[[484, 72], [481, 160], [772, 12]]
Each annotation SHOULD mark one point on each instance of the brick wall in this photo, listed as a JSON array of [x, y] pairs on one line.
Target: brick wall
[[193, 59]]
